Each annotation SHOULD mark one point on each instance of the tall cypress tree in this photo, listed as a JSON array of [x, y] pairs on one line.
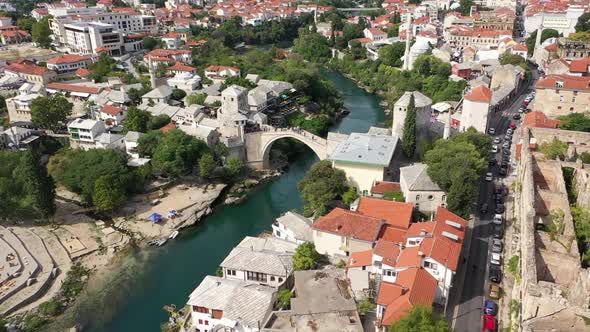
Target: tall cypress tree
[[39, 185], [409, 133]]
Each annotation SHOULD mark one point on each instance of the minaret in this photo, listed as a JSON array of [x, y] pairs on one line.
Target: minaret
[[537, 50], [447, 130], [406, 65], [152, 73]]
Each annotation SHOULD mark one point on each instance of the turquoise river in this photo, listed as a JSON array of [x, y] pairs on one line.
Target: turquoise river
[[136, 292]]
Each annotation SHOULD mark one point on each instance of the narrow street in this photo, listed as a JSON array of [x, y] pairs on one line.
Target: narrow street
[[465, 307]]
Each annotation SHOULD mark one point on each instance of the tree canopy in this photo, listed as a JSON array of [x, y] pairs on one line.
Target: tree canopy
[[51, 112], [196, 98], [575, 122], [40, 32], [392, 55], [305, 257], [321, 184], [177, 153], [547, 33], [583, 24], [420, 319], [102, 67], [312, 46], [554, 149], [409, 131], [142, 121]]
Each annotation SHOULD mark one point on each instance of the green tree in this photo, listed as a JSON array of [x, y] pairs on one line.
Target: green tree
[[547, 33], [321, 184], [50, 112], [465, 7], [583, 24], [206, 165], [350, 196], [284, 299], [50, 308], [26, 23], [365, 306], [233, 167], [462, 193], [237, 80], [393, 31], [396, 196], [575, 122], [40, 33], [391, 55], [150, 43], [313, 47], [513, 59], [409, 131], [177, 153], [177, 94], [108, 194], [554, 149], [481, 142], [448, 160], [420, 319], [157, 122], [137, 120], [148, 143], [38, 183], [102, 67], [135, 95], [357, 51], [305, 257], [196, 98]]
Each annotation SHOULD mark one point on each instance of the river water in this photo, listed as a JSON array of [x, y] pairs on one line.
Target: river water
[[148, 280]]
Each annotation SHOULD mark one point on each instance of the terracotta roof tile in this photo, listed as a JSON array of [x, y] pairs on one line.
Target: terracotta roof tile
[[567, 82], [348, 223], [68, 58], [382, 187], [83, 72], [179, 66], [73, 87], [26, 69], [409, 257], [580, 65], [168, 127], [111, 110], [360, 258], [388, 292], [539, 120], [393, 234], [388, 250], [480, 94], [393, 213]]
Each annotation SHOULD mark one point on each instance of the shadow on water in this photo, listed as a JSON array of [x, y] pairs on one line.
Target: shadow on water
[[130, 297]]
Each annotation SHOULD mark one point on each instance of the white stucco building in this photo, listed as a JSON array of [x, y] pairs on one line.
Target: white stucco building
[[476, 107], [292, 227], [419, 189]]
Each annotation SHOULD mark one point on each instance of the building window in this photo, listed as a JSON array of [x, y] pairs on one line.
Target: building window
[[231, 272], [200, 321], [444, 198], [272, 278], [573, 99], [206, 322], [417, 197], [558, 107], [256, 276], [280, 279], [430, 197], [571, 109], [561, 99], [430, 265], [389, 273]]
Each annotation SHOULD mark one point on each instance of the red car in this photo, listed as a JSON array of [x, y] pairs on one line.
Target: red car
[[513, 125], [489, 323]]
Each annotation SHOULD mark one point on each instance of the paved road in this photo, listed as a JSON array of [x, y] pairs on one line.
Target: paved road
[[467, 306]]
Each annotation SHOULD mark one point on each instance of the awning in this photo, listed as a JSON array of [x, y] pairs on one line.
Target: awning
[[51, 90], [80, 94]]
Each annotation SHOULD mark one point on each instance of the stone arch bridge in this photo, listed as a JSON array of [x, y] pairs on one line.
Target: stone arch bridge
[[258, 144]]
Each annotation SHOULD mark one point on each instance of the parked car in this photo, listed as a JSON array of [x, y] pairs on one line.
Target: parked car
[[492, 131], [499, 208], [497, 231], [495, 274], [498, 199], [494, 291], [496, 259], [510, 131], [506, 145], [489, 323], [494, 149], [489, 177], [484, 208], [492, 162], [497, 245], [502, 171], [512, 125], [490, 307], [497, 140], [516, 116], [508, 137], [522, 109], [497, 219]]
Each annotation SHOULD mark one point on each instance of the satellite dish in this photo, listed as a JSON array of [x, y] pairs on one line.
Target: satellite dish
[[454, 5]]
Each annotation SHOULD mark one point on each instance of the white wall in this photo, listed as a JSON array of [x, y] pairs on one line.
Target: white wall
[[284, 233], [361, 176], [475, 114], [328, 244], [426, 201]]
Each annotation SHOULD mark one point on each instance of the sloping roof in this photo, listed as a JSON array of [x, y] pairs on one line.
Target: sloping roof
[[567, 82], [179, 66], [73, 87], [360, 258], [393, 233], [271, 244], [420, 100], [479, 94], [68, 58], [393, 213], [111, 110], [25, 68], [348, 223], [241, 301], [580, 65], [133, 136], [268, 262], [298, 224], [162, 91], [366, 149], [382, 187], [388, 250], [538, 119], [417, 179], [409, 257]]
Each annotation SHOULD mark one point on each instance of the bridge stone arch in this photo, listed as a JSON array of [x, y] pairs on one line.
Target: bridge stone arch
[[258, 144]]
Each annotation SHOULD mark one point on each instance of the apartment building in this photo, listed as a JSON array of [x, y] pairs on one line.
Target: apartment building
[[84, 132], [68, 63], [29, 72], [559, 95], [461, 37], [557, 15], [19, 106], [92, 38]]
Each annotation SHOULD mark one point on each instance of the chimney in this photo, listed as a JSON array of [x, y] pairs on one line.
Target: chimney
[[420, 253]]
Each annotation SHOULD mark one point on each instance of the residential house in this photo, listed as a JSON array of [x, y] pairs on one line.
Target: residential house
[[158, 95], [186, 81], [68, 63], [169, 56], [323, 297], [393, 214], [131, 143], [520, 49], [19, 106], [476, 106], [380, 188], [110, 141], [558, 95], [375, 34], [172, 40], [30, 72], [419, 189], [259, 99], [293, 227], [341, 232], [17, 137], [221, 72], [74, 90], [11, 35], [580, 67], [365, 159], [110, 115], [83, 132], [266, 267], [228, 304]]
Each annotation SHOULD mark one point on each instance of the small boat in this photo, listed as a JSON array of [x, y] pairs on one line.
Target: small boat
[[152, 242], [174, 235], [161, 242]]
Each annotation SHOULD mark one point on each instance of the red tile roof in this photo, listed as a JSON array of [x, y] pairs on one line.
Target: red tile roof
[[552, 47], [420, 229], [580, 65], [83, 72], [348, 223], [111, 110], [388, 250], [393, 233], [538, 120], [520, 47], [375, 31], [382, 187], [409, 257], [567, 82], [480, 94], [393, 213], [73, 87], [389, 292], [26, 69], [168, 127], [179, 66], [68, 58], [360, 258], [220, 68]]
